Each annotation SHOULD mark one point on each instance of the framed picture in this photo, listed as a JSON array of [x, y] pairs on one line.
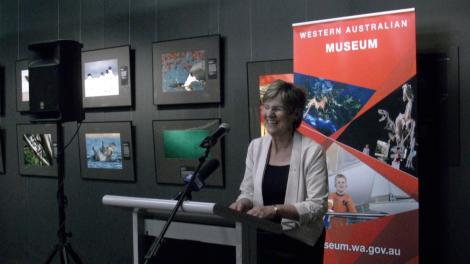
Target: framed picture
[[438, 74], [260, 75], [106, 78], [187, 71], [177, 150], [22, 86], [37, 149], [2, 162], [106, 151]]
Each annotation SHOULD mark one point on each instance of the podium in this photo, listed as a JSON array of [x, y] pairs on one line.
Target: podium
[[198, 221]]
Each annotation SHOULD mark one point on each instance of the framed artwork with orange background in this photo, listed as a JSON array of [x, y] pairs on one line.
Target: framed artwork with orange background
[[260, 75]]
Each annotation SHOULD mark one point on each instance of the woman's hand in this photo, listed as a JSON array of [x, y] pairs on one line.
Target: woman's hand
[[241, 205], [266, 212]]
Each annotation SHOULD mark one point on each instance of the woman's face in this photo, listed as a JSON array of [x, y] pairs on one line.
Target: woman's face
[[278, 120]]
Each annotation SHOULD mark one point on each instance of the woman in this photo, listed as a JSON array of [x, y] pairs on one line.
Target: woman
[[286, 180]]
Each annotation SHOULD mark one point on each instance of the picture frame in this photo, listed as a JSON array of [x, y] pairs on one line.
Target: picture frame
[[260, 74], [22, 86], [177, 150], [187, 71], [439, 71], [37, 149], [2, 162], [2, 90], [106, 151], [107, 78]]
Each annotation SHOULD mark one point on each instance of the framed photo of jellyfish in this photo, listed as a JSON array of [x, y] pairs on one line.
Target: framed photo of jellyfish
[[37, 149], [106, 151], [22, 86], [260, 75], [177, 150], [107, 78], [187, 71]]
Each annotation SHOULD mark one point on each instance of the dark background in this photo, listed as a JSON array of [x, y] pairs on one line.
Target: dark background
[[252, 30]]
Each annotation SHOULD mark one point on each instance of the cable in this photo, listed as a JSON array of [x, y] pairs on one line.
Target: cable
[[74, 135]]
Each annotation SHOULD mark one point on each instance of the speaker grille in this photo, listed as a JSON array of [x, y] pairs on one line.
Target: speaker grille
[[44, 88]]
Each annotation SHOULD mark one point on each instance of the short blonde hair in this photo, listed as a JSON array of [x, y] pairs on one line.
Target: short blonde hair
[[338, 176], [292, 98]]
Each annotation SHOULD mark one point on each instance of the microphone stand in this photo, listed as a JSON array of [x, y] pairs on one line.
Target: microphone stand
[[181, 197]]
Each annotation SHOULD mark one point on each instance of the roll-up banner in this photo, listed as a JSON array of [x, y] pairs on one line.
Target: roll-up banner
[[359, 73]]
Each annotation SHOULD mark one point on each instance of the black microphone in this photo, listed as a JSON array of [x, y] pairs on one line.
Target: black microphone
[[211, 140], [204, 172]]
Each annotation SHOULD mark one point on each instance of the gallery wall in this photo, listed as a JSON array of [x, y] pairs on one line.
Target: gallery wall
[[251, 30]]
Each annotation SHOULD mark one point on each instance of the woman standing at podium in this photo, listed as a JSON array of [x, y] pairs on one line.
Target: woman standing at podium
[[286, 181]]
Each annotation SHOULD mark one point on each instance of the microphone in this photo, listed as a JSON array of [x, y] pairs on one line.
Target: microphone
[[211, 140], [204, 172]]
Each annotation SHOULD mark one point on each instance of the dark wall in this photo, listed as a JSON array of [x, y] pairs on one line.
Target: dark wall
[[251, 30]]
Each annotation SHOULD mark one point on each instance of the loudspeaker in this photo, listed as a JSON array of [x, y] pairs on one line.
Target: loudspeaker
[[55, 90]]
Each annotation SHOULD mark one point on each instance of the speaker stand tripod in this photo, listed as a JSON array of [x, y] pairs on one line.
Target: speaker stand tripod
[[63, 247]]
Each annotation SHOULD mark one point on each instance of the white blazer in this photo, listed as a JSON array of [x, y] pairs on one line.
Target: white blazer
[[307, 184]]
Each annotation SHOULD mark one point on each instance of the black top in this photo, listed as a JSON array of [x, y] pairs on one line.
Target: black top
[[275, 184]]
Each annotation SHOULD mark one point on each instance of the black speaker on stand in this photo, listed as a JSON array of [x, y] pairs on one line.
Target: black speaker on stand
[[56, 96], [55, 81]]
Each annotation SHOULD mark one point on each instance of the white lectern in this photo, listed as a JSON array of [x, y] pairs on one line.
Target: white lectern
[[198, 221]]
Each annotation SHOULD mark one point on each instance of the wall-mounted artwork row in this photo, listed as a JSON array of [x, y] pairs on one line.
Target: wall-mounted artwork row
[[37, 147], [106, 151], [187, 71], [106, 78], [177, 149]]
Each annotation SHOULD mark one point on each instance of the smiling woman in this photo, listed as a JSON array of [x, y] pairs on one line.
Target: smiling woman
[[286, 181], [285, 103]]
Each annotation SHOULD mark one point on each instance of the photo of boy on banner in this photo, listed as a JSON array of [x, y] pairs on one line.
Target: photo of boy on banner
[[340, 201], [358, 192]]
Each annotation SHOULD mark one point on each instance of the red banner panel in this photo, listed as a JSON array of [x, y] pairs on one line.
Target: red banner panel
[[359, 74]]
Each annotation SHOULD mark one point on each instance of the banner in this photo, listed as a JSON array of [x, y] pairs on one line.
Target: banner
[[359, 73]]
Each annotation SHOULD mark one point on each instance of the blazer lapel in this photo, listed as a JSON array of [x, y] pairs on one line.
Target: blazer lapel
[[294, 170], [258, 180]]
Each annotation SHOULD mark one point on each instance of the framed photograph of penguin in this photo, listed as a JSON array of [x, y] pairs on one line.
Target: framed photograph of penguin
[[187, 71], [260, 75], [37, 149], [106, 151], [177, 149], [107, 78], [22, 86]]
